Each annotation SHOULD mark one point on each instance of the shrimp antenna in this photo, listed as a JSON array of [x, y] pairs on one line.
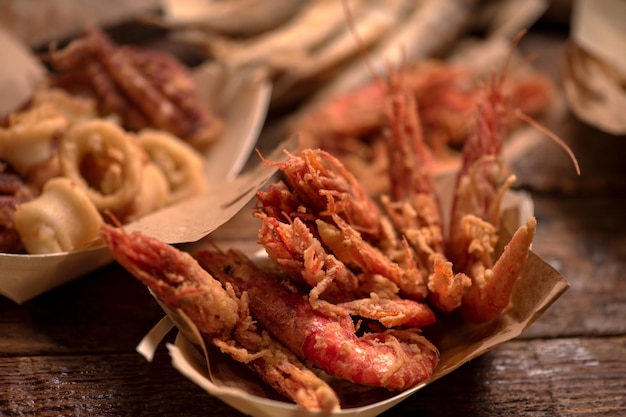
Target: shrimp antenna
[[514, 44], [521, 115], [526, 118], [359, 41]]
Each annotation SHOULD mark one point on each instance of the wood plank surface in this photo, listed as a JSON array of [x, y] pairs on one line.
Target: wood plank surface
[[559, 377], [106, 311], [554, 377], [584, 238]]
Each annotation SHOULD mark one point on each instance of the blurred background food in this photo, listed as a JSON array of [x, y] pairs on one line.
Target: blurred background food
[[38, 22], [306, 46], [314, 50], [317, 47]]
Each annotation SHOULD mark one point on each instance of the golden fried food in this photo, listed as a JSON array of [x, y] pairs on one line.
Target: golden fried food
[[180, 164], [100, 158], [61, 219]]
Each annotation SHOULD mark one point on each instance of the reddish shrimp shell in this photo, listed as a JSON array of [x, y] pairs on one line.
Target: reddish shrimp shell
[[394, 359], [222, 318]]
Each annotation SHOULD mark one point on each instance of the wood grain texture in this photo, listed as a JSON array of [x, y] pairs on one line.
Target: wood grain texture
[[585, 240], [108, 310], [560, 377], [566, 376]]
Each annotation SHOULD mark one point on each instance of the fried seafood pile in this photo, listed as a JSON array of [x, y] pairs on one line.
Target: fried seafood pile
[[312, 49], [142, 87], [307, 44], [353, 281], [446, 49], [73, 166], [351, 125], [116, 130]]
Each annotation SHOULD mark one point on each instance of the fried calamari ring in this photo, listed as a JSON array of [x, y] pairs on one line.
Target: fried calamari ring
[[30, 138], [152, 195], [61, 219], [29, 142], [103, 160], [181, 164]]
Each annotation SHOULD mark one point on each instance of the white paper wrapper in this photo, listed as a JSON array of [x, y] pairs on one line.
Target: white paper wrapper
[[539, 286], [594, 71], [241, 99], [38, 22], [18, 79], [598, 26]]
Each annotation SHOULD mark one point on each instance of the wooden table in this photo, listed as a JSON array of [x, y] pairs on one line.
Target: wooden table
[[72, 352]]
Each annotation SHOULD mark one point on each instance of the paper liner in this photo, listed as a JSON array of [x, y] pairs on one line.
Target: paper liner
[[458, 342], [38, 22], [241, 98], [599, 28], [17, 80], [594, 71]]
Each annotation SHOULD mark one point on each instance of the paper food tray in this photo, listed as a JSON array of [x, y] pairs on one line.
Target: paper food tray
[[538, 287]]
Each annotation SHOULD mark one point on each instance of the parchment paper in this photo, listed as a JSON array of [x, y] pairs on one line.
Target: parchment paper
[[594, 70], [20, 72], [37, 22]]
